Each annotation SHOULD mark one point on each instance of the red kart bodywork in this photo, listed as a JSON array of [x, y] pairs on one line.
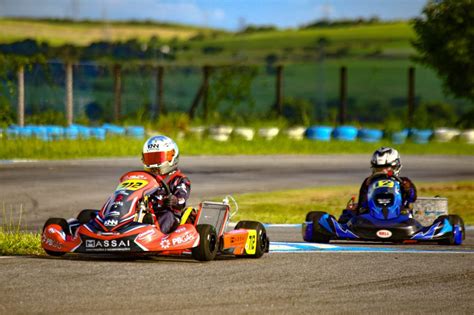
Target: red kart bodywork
[[119, 226]]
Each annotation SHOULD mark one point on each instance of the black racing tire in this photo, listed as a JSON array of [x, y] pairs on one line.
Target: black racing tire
[[318, 236], [86, 215], [64, 226], [453, 220], [263, 242], [208, 244]]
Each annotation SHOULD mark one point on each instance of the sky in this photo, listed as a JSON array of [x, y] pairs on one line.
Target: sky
[[225, 14]]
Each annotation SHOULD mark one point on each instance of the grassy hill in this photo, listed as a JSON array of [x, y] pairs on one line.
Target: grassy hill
[[197, 44], [378, 40], [82, 33]]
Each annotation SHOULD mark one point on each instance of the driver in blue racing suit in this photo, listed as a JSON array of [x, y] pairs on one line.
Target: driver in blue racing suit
[[387, 161], [160, 157]]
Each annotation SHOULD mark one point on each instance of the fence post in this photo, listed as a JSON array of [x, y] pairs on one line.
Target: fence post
[[279, 90], [205, 92], [21, 95], [159, 92], [117, 92], [343, 95], [411, 95], [69, 93]]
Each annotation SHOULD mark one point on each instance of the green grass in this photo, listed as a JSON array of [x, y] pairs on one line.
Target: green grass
[[14, 240], [291, 206], [130, 147]]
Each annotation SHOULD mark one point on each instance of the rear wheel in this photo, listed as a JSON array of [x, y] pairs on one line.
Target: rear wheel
[[317, 236], [207, 248], [64, 226], [262, 242]]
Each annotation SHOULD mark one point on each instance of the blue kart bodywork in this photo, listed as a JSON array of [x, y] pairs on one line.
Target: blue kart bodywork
[[384, 221]]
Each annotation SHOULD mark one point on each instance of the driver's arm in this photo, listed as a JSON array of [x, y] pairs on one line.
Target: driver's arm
[[181, 189], [362, 201]]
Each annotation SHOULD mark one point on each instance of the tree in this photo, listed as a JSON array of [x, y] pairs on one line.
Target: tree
[[445, 41]]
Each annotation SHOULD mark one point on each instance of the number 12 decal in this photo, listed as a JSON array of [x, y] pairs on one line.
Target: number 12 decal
[[132, 184]]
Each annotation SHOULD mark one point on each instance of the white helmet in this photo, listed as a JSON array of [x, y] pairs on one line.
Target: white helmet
[[384, 158], [160, 155]]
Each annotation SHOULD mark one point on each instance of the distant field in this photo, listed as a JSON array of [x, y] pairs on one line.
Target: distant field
[[391, 39], [83, 33]]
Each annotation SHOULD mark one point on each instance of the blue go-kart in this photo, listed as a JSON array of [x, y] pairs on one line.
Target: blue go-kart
[[385, 220]]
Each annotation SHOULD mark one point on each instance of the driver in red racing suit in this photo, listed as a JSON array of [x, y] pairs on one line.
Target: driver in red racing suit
[[387, 161], [160, 157]]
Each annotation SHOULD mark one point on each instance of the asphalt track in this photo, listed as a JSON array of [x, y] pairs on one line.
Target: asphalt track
[[355, 278], [63, 188]]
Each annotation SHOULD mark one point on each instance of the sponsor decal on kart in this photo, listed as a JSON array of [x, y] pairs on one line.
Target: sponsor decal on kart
[[145, 235], [111, 222], [237, 239], [384, 233], [181, 229], [182, 239], [137, 176], [51, 242], [165, 243], [105, 245]]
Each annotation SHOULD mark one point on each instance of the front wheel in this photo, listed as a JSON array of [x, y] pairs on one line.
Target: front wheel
[[207, 248], [262, 243], [458, 234], [86, 215], [317, 236], [64, 226]]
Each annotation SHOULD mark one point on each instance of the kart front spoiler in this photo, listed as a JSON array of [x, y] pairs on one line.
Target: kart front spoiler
[[364, 230]]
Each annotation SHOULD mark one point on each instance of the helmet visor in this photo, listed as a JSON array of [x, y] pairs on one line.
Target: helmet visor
[[158, 158]]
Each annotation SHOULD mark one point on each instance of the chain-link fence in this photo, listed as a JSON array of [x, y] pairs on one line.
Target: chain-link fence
[[375, 89]]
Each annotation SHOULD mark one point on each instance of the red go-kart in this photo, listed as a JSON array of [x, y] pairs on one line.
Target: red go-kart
[[127, 225]]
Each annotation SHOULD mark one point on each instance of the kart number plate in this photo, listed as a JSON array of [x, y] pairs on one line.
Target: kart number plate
[[132, 184], [251, 245], [384, 183]]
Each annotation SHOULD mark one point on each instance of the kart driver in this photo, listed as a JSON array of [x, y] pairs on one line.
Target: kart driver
[[160, 157], [386, 160]]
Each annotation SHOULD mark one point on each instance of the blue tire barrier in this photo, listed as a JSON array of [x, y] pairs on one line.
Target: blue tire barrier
[[345, 133], [71, 133], [421, 136], [12, 132], [114, 129], [400, 137], [40, 132], [370, 135], [83, 132], [136, 131], [320, 133], [98, 133], [55, 132]]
